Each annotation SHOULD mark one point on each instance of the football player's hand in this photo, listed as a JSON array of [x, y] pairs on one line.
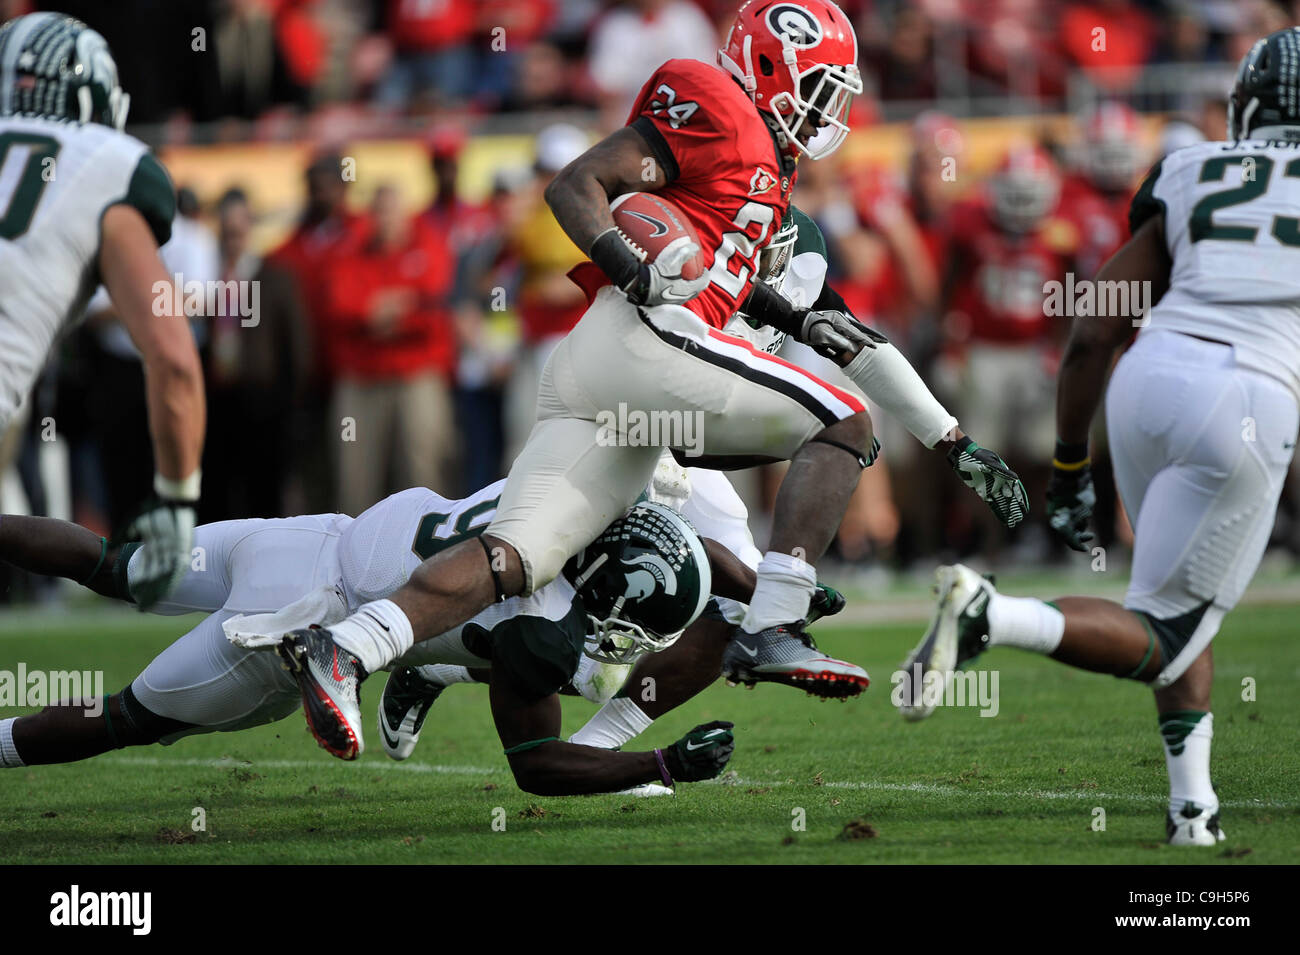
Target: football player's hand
[[985, 473], [702, 753], [167, 530], [826, 602], [1070, 500], [831, 333], [661, 282]]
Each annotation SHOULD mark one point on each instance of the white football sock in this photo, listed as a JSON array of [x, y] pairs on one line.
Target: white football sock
[[9, 758], [781, 596], [1187, 735], [1024, 622], [613, 725], [377, 634], [444, 674]]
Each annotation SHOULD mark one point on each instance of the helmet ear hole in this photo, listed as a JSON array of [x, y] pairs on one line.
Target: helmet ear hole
[[765, 65]]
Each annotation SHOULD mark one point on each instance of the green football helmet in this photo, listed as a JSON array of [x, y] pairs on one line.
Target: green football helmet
[[643, 581], [52, 65], [1265, 98]]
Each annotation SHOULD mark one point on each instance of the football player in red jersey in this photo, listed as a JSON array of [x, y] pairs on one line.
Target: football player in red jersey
[[1096, 194], [722, 144], [1005, 245]]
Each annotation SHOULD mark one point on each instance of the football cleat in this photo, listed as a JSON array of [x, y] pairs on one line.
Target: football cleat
[[958, 632], [786, 654], [329, 679], [1193, 826], [407, 698]]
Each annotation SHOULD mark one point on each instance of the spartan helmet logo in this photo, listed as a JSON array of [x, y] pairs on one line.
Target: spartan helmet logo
[[794, 24], [650, 571]]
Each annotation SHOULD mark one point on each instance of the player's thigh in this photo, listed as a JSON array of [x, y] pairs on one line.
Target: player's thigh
[[1207, 516], [667, 378], [276, 562], [207, 682], [566, 486], [206, 585]]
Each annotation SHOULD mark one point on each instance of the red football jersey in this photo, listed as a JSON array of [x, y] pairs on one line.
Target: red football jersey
[[999, 285], [726, 173], [1102, 221]]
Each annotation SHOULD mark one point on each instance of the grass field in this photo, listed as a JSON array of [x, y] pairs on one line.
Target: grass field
[[1021, 787]]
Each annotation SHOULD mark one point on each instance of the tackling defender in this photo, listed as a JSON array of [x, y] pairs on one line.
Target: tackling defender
[[1202, 414], [644, 580], [82, 203]]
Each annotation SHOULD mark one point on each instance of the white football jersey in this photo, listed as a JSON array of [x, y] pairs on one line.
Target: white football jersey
[[56, 180], [1232, 226]]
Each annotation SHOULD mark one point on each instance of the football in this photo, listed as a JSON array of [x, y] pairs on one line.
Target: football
[[651, 225]]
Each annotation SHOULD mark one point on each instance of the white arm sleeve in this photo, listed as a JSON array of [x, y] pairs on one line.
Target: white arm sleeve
[[889, 379]]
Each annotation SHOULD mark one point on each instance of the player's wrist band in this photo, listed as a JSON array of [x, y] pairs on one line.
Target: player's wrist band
[[185, 490], [769, 307], [615, 259], [663, 769], [1070, 457]]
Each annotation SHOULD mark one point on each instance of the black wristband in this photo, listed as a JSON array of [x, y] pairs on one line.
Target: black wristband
[[1067, 453], [767, 306], [615, 258]]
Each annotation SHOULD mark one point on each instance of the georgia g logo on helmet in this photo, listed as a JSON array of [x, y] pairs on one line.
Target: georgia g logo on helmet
[[794, 24]]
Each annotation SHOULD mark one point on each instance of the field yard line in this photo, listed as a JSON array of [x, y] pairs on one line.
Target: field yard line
[[932, 789], [303, 764]]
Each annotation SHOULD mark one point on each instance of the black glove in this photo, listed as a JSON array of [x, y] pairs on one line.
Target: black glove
[[1070, 500], [702, 753], [985, 473], [826, 602]]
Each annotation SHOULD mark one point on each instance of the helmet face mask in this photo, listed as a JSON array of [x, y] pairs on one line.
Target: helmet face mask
[[1024, 191], [54, 66], [774, 258], [798, 61], [642, 582]]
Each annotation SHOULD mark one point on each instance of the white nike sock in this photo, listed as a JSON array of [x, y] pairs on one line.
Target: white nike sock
[[784, 589], [1187, 735], [9, 758], [614, 724], [377, 634], [1024, 622], [445, 674]]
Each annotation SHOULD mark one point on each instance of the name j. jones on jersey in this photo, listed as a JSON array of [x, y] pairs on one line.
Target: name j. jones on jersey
[[78, 908]]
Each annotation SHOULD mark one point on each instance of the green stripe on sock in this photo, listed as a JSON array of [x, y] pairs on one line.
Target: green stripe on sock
[[1176, 726]]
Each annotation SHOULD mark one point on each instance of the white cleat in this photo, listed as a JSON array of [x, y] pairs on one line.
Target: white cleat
[[1193, 826], [958, 632]]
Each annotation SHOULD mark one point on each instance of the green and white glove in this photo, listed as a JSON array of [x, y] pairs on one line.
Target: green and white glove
[[700, 754], [985, 473], [1070, 500], [165, 525], [826, 602]]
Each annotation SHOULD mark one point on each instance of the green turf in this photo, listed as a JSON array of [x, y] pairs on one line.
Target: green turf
[[1018, 787]]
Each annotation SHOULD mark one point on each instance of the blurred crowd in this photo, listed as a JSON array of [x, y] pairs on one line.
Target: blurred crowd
[[397, 347], [262, 59]]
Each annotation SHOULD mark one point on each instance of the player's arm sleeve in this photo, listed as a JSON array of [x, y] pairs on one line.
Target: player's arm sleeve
[[151, 193], [1146, 203]]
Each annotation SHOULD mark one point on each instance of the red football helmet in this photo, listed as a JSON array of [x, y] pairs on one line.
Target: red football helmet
[[1025, 189], [798, 61], [1112, 153]]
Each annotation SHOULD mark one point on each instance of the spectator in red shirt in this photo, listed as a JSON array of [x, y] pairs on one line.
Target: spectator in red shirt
[[392, 351], [1110, 39]]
